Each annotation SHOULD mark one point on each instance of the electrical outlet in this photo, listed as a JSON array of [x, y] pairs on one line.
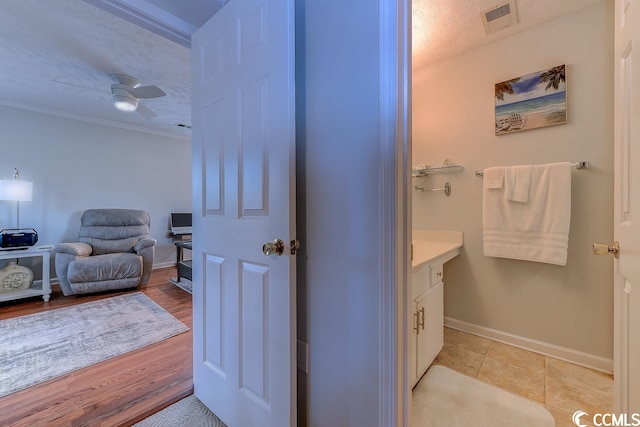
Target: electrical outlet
[[302, 353]]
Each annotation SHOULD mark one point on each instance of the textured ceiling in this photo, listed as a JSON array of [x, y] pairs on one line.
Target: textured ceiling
[[56, 55], [443, 28]]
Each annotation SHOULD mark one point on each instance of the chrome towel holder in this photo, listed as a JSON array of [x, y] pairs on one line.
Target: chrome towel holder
[[423, 171], [446, 189], [448, 166], [578, 165]]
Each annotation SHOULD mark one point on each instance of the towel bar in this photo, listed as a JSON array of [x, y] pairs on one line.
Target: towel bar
[[577, 165], [446, 189]]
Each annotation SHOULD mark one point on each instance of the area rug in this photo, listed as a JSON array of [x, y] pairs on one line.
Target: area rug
[[38, 347], [446, 398], [186, 412], [184, 284]]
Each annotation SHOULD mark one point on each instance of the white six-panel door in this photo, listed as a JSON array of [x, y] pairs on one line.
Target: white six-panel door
[[243, 184], [627, 207]]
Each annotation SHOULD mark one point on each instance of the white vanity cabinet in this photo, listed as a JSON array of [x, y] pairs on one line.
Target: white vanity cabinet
[[427, 318], [426, 314], [431, 337]]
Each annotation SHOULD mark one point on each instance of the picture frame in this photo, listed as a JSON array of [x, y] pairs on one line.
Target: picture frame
[[531, 101]]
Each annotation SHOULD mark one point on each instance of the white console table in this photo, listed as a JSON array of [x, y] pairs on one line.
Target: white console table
[[39, 287]]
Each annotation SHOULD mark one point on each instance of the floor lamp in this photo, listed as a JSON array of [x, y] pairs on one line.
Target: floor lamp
[[16, 190]]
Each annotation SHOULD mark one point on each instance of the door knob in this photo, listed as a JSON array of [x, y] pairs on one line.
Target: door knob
[[275, 247], [602, 249]]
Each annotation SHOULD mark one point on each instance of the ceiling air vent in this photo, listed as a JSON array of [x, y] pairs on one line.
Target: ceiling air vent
[[500, 17]]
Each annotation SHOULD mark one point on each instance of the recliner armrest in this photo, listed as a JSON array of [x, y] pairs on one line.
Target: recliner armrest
[[144, 243], [75, 248]]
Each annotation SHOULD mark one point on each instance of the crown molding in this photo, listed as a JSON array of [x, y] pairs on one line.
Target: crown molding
[[150, 17], [184, 135]]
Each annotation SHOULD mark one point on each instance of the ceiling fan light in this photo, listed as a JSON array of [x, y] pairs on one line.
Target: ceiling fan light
[[125, 103]]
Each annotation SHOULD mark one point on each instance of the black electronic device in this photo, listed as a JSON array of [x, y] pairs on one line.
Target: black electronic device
[[180, 223], [14, 238]]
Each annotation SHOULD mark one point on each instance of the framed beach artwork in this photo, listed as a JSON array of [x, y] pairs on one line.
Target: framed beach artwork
[[531, 101]]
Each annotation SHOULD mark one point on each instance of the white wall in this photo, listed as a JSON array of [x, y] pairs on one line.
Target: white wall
[[453, 117], [76, 165], [341, 265]]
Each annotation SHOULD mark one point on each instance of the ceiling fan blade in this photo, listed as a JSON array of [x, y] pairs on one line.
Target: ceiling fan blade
[[145, 112], [151, 91]]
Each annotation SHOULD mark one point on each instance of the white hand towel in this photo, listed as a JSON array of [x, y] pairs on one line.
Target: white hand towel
[[493, 177], [534, 231], [517, 180]]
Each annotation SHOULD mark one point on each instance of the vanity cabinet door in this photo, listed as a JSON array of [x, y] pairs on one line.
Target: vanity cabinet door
[[420, 283], [413, 346], [430, 338]]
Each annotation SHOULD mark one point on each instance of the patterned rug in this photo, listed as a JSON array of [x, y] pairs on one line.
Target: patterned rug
[[186, 412], [38, 347], [184, 284], [446, 398]]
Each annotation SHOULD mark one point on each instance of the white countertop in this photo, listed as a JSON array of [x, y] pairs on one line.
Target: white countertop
[[429, 246]]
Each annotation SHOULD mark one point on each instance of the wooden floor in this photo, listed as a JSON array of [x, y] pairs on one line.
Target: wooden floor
[[117, 392]]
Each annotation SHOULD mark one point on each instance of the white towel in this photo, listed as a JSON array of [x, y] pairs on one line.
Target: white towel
[[517, 180], [493, 177], [533, 231]]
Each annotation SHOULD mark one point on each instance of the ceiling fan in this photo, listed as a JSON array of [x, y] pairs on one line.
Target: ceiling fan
[[127, 90]]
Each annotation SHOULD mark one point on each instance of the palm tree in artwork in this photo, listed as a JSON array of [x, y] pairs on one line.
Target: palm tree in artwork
[[505, 87], [553, 77]]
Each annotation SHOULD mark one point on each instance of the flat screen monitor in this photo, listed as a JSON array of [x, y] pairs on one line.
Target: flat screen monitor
[[180, 223]]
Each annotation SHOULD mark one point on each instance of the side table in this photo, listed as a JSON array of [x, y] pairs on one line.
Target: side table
[[39, 287], [183, 267]]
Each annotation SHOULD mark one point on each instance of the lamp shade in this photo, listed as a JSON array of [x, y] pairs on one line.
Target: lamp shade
[[16, 190]]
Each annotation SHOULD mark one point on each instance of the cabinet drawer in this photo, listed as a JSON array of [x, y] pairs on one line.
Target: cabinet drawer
[[435, 274], [420, 282]]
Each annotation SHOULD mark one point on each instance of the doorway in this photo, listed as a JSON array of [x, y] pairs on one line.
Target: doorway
[[565, 312]]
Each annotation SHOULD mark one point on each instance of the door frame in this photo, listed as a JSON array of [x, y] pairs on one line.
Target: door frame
[[626, 366], [395, 182]]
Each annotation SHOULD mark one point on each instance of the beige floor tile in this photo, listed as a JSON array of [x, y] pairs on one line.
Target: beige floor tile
[[514, 379], [579, 375], [516, 356], [460, 359], [563, 387], [571, 397], [467, 341]]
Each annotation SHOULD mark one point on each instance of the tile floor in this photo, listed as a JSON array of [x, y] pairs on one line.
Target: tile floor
[[561, 387]]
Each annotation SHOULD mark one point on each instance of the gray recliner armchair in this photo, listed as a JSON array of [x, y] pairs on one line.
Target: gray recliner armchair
[[114, 251]]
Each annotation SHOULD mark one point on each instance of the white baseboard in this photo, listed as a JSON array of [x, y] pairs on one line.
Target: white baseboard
[[568, 355], [164, 265]]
